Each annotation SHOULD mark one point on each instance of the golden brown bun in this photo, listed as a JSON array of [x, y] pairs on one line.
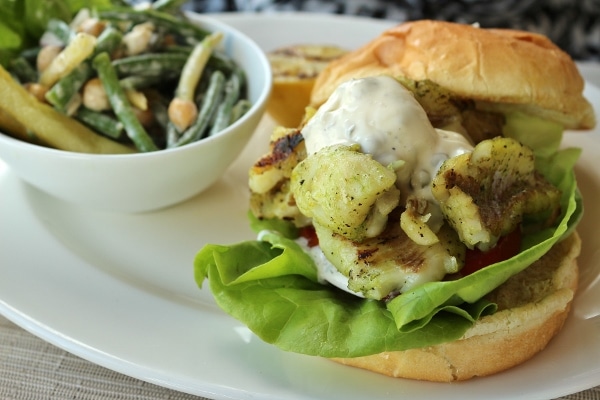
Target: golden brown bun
[[533, 306], [513, 68], [295, 69]]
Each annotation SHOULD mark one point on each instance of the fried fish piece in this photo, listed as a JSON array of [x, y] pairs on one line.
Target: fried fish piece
[[391, 263], [485, 194], [269, 177], [345, 190]]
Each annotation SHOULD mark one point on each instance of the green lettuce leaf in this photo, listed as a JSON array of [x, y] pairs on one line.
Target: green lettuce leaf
[[271, 286], [548, 135]]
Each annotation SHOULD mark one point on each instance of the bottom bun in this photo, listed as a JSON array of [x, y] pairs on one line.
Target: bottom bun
[[532, 308]]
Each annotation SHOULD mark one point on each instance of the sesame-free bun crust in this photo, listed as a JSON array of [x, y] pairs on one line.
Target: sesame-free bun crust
[[498, 68], [533, 307]]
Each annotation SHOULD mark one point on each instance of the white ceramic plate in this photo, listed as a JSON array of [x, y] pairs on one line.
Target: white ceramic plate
[[118, 290]]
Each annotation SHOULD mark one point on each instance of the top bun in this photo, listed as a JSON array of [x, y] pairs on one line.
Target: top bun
[[500, 69]]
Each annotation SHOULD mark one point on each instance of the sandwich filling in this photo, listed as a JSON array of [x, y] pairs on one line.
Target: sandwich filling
[[394, 202]]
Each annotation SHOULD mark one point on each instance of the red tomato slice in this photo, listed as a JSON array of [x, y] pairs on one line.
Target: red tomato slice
[[308, 232], [506, 247]]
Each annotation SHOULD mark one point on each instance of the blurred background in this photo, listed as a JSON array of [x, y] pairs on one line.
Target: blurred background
[[574, 25]]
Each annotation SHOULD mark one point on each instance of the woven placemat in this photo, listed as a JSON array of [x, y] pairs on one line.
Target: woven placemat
[[32, 369]]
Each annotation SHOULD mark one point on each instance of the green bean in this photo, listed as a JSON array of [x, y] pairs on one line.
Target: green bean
[[174, 48], [182, 109], [136, 82], [101, 123], [61, 93], [31, 54], [223, 113], [218, 61], [168, 5], [194, 65], [60, 29], [173, 135], [210, 103], [150, 64], [240, 108], [50, 126], [23, 70], [242, 78], [159, 109], [120, 105], [79, 49], [189, 32], [109, 40]]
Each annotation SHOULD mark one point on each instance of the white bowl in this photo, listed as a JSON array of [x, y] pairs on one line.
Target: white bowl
[[148, 181]]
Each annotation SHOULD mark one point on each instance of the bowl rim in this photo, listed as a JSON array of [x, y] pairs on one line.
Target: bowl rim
[[258, 105]]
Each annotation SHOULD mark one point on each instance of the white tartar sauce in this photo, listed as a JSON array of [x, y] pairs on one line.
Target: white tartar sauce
[[385, 119], [326, 271]]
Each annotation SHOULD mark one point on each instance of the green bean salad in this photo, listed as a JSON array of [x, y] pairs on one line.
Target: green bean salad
[[143, 77]]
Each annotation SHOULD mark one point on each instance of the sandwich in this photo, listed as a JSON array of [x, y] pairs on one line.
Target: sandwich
[[420, 222]]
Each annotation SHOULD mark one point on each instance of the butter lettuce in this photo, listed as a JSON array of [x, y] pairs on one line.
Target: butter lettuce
[[548, 134], [271, 286]]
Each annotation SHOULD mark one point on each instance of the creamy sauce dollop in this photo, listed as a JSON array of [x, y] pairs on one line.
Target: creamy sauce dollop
[[385, 119]]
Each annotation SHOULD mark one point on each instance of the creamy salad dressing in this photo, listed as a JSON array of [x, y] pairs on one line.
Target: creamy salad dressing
[[387, 122]]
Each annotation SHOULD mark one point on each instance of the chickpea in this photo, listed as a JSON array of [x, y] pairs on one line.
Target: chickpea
[[37, 90], [182, 113], [94, 96], [139, 38], [93, 26]]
